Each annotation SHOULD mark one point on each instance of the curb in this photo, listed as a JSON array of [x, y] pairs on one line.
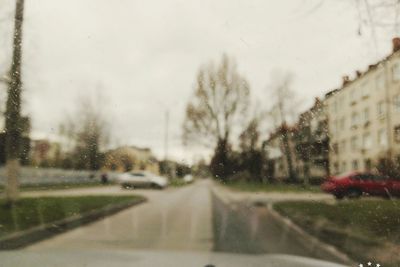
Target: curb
[[312, 243], [25, 238]]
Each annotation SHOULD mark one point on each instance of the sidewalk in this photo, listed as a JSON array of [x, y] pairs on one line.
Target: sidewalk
[[268, 197]]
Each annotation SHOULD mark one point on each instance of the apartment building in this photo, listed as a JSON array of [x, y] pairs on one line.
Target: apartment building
[[364, 116]]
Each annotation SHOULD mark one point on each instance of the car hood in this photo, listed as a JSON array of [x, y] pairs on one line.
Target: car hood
[[152, 258]]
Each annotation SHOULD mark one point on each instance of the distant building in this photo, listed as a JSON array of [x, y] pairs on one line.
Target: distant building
[[129, 158], [44, 152], [364, 116]]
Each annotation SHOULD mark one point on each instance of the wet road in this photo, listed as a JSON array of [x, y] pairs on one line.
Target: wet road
[[175, 219], [188, 218]]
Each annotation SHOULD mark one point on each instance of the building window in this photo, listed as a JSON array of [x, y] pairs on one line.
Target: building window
[[344, 166], [354, 165], [334, 107], [341, 101], [354, 119], [396, 103], [342, 123], [337, 125], [381, 109], [382, 137], [334, 126], [314, 124], [343, 146], [335, 148], [364, 90], [368, 165], [354, 142], [367, 141], [353, 96], [396, 72], [397, 133], [380, 82], [336, 167], [366, 116]]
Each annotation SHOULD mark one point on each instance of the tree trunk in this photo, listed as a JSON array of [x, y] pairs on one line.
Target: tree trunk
[[219, 162], [13, 109], [288, 154]]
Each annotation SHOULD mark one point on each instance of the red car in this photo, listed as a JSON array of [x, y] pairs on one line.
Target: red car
[[354, 184]]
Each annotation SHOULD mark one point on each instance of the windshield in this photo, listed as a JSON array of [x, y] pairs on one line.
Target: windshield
[[170, 130]]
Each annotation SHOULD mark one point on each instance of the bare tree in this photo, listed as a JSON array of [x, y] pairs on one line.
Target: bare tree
[[378, 14], [250, 137], [13, 109], [283, 112], [220, 101], [375, 17], [251, 156], [87, 132]]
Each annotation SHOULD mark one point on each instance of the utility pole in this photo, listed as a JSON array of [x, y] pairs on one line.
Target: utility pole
[[13, 109], [166, 135]]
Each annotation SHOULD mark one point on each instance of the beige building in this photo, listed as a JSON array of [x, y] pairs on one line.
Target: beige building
[[308, 145], [44, 152], [364, 116], [129, 158]]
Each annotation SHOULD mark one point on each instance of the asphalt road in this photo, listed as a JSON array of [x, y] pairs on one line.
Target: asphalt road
[[172, 219], [188, 218]]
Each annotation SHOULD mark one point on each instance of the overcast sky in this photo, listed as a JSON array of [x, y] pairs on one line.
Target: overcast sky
[[143, 55]]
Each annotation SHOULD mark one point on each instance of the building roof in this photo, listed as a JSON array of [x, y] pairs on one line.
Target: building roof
[[359, 74]]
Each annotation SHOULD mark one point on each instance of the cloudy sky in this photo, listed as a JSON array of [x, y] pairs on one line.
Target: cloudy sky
[[143, 55]]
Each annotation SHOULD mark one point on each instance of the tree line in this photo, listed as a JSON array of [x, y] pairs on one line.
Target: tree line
[[220, 115]]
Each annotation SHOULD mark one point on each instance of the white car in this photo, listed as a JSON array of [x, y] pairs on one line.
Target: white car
[[138, 179], [188, 178]]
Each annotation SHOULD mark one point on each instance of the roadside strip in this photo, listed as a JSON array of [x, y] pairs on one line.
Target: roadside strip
[[310, 243], [24, 238]]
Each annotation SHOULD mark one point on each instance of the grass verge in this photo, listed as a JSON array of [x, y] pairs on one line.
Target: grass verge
[[276, 187], [365, 229], [177, 182], [31, 212]]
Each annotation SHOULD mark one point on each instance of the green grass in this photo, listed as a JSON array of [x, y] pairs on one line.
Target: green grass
[[370, 218], [58, 186], [361, 228], [30, 212], [177, 182], [275, 187]]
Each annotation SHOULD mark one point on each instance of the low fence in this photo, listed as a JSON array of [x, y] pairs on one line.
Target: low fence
[[32, 175]]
